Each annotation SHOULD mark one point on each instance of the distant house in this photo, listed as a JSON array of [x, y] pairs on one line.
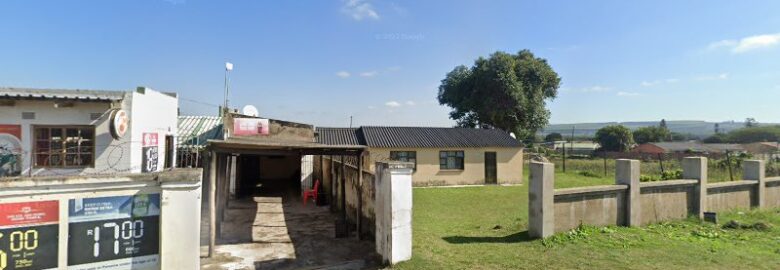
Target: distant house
[[194, 132], [763, 150], [687, 147], [442, 156]]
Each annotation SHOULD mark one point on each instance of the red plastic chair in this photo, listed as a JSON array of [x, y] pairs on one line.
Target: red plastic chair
[[312, 193]]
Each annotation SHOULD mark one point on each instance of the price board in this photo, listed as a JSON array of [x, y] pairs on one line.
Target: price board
[[149, 153], [118, 232], [29, 235]]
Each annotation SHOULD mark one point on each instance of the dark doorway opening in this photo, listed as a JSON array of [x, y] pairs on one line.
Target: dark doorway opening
[[169, 151], [491, 168]]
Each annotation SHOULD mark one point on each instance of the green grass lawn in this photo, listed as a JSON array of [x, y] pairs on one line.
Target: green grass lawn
[[486, 228]]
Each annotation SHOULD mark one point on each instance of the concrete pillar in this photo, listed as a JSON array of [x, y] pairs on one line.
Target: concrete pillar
[[541, 222], [180, 220], [212, 169], [755, 170], [627, 173], [696, 168], [393, 211]]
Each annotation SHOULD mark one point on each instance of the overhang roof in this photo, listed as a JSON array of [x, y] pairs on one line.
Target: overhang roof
[[62, 94], [197, 130], [267, 146]]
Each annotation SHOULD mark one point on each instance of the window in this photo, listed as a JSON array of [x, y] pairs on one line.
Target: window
[[405, 156], [64, 146], [451, 160]]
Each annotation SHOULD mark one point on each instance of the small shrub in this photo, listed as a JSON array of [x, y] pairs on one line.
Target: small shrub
[[648, 178], [671, 175], [588, 174]]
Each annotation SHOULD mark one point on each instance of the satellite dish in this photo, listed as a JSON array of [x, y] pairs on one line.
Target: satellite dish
[[250, 110]]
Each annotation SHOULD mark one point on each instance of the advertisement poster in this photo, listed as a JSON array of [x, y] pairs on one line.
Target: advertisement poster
[[150, 153], [250, 126], [29, 235], [118, 232], [10, 150]]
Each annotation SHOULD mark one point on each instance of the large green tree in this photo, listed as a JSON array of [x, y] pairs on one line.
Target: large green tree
[[614, 138], [651, 134], [504, 91]]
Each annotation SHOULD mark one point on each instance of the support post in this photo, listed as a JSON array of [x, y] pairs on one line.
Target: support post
[[322, 176], [541, 222], [212, 202], [627, 173], [359, 195], [696, 168], [755, 170]]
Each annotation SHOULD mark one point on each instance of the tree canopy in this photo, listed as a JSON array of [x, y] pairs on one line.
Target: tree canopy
[[614, 138], [651, 134], [504, 91], [555, 136]]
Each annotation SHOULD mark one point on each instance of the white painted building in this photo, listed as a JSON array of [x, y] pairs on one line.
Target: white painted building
[[66, 132]]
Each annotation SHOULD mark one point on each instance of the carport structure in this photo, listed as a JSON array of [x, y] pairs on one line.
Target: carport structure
[[224, 163]]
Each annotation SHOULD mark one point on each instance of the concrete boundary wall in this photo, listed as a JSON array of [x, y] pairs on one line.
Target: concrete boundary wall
[[631, 203], [179, 212]]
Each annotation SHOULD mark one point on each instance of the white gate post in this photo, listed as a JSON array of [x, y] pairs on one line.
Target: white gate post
[[393, 209]]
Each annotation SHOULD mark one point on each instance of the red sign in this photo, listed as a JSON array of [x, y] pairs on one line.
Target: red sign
[[25, 213], [150, 139], [15, 130], [250, 126]]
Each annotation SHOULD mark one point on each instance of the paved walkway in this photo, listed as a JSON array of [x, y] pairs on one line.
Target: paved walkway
[[271, 232]]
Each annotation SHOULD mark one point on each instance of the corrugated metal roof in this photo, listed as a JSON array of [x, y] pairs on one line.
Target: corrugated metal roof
[[71, 94], [416, 137], [197, 130], [338, 136]]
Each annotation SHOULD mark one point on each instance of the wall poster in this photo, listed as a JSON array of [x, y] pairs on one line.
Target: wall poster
[[150, 156], [119, 232], [250, 126], [10, 150], [29, 235]]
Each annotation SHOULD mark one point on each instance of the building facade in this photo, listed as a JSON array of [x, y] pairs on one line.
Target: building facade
[[67, 132], [441, 156]]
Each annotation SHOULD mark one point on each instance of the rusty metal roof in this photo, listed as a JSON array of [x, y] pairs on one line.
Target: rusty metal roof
[[416, 137], [197, 130], [66, 94]]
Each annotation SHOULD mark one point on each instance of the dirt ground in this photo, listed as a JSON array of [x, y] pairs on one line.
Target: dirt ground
[[278, 232]]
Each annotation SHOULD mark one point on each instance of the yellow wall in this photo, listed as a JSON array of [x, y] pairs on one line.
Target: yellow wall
[[510, 165]]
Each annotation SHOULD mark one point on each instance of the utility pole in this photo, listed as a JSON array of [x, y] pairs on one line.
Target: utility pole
[[228, 68], [350, 121]]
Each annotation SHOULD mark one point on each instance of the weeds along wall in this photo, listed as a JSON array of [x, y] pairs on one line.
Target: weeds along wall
[[633, 203]]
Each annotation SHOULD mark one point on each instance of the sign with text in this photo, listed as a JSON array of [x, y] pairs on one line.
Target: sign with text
[[118, 232], [150, 153], [29, 235], [250, 126]]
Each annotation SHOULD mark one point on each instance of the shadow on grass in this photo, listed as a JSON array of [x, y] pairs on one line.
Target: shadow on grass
[[512, 238]]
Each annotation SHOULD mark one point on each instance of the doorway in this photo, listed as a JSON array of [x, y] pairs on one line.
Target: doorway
[[491, 170]]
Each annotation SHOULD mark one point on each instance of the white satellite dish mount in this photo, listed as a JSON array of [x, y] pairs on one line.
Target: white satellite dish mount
[[250, 110]]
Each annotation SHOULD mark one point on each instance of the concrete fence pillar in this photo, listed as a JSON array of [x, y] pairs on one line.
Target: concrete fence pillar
[[393, 211], [755, 170], [541, 218], [180, 220], [627, 173], [696, 168]]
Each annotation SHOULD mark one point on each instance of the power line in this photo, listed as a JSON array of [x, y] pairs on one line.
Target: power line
[[199, 102]]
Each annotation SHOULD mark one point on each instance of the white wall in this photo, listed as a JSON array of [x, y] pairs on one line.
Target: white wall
[[152, 112]]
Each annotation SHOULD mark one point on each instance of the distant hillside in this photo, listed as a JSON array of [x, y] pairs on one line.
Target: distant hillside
[[696, 128]]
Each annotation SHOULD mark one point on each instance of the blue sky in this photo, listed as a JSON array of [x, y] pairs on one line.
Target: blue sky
[[381, 61]]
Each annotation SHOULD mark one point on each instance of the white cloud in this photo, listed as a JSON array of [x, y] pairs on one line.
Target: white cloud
[[369, 73], [722, 76], [393, 104], [343, 74], [627, 94], [371, 107], [359, 10], [410, 103], [657, 82], [747, 44], [595, 88]]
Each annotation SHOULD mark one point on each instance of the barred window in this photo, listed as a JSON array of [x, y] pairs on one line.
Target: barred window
[[64, 146], [451, 160], [405, 156]]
